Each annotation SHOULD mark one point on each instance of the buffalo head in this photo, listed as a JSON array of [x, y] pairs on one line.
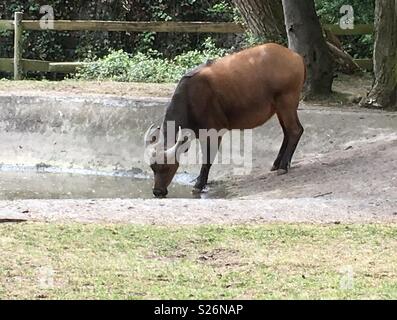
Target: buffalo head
[[164, 162]]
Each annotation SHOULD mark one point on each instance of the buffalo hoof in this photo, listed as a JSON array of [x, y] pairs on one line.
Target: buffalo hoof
[[281, 172], [197, 191], [274, 168]]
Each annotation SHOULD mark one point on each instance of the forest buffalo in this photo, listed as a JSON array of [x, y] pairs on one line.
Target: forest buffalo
[[240, 91]]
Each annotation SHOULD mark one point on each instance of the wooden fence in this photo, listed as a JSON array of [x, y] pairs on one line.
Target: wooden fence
[[18, 65]]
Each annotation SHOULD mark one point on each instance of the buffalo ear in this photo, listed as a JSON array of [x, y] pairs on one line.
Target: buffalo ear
[[151, 135]]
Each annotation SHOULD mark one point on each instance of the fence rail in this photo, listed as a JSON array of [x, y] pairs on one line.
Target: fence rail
[[7, 65], [129, 26], [18, 65]]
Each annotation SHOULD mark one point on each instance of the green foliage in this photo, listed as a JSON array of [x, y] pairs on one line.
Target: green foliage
[[250, 40], [364, 11], [75, 46], [180, 47], [329, 11], [223, 10], [151, 66]]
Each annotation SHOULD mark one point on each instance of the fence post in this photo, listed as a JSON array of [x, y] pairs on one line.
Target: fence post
[[18, 46]]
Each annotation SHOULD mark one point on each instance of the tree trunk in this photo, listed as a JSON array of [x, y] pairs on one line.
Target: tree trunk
[[384, 92], [305, 36], [264, 18], [345, 62]]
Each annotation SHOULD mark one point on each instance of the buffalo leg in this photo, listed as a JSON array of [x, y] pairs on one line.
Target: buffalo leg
[[209, 154], [277, 163], [294, 131]]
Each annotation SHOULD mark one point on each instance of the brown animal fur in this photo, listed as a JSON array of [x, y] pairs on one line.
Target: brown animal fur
[[241, 91]]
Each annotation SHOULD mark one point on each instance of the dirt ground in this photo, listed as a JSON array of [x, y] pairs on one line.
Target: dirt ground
[[356, 183], [348, 88], [72, 87]]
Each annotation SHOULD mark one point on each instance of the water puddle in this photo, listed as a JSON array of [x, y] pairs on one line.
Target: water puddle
[[37, 185]]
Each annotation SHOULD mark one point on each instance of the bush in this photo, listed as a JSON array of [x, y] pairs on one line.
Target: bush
[[77, 46], [147, 67], [181, 49], [364, 11]]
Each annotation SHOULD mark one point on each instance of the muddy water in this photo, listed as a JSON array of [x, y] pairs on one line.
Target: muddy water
[[36, 185]]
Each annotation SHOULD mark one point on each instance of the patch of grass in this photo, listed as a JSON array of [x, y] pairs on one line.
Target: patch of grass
[[72, 261]]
